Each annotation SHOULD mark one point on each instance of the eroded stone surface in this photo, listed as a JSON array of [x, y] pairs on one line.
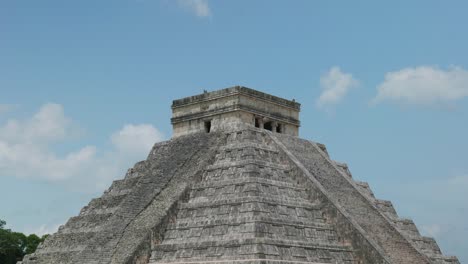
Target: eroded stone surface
[[238, 194]]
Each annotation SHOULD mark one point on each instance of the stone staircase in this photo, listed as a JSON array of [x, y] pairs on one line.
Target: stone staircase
[[100, 233], [406, 227], [427, 245], [247, 208]]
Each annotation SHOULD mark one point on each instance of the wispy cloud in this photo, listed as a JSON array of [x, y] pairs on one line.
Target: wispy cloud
[[42, 229], [136, 139], [335, 84], [423, 85], [432, 230], [26, 150], [198, 7], [4, 108]]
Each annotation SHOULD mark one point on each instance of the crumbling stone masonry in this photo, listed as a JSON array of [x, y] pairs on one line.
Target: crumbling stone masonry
[[236, 185]]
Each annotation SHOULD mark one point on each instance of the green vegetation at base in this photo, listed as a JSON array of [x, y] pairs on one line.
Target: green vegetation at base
[[14, 245]]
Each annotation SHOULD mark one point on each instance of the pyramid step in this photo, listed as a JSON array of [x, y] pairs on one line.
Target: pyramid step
[[249, 170], [441, 259], [386, 207], [248, 152], [299, 215], [407, 227], [248, 190], [123, 185], [254, 260], [68, 242], [426, 244], [245, 180], [85, 223], [323, 148], [203, 241], [248, 136], [103, 205], [226, 220], [365, 188], [343, 167], [243, 145], [254, 163], [251, 230], [246, 206], [52, 257], [249, 200], [240, 248]]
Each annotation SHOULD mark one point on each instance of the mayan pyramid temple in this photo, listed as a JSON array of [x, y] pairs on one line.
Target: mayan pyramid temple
[[235, 185]]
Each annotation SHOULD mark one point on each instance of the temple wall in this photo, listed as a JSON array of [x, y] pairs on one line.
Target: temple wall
[[233, 107]]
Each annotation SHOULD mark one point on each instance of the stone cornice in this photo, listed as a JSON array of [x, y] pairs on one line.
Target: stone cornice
[[236, 90], [232, 108]]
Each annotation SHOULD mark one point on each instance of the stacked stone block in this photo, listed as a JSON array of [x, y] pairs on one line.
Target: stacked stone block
[[247, 208], [424, 245], [240, 196]]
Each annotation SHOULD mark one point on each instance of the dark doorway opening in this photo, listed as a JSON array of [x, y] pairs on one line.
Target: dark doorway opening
[[257, 122], [207, 126], [268, 126], [279, 128]]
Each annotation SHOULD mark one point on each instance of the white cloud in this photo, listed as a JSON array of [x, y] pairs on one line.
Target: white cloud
[[423, 85], [137, 139], [335, 85], [199, 7], [26, 150], [49, 124]]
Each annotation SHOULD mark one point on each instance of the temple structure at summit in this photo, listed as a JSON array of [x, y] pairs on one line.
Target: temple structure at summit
[[228, 108], [235, 184]]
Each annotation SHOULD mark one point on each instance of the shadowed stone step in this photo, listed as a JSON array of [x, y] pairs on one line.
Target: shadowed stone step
[[243, 145], [235, 200], [247, 179], [85, 223], [122, 185], [242, 261], [288, 249], [407, 226], [343, 167], [441, 259], [365, 188], [226, 220], [249, 190], [251, 170], [245, 163], [387, 208]]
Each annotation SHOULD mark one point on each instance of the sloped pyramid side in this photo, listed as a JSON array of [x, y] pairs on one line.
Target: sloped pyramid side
[[426, 245], [246, 196], [115, 228], [249, 207], [398, 238]]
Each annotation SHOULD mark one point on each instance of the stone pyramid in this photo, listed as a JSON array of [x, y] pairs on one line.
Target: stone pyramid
[[236, 185]]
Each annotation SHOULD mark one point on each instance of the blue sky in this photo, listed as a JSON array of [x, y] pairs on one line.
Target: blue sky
[[86, 88]]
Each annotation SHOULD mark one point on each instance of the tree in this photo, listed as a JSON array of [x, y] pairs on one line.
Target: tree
[[14, 245]]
